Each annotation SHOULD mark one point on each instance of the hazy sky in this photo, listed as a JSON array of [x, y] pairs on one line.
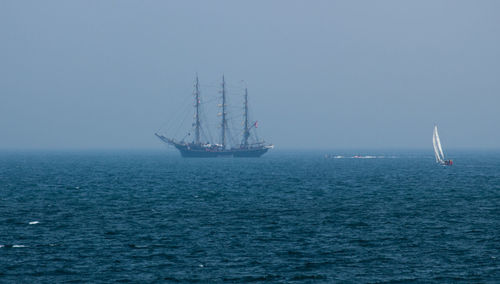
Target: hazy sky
[[321, 74]]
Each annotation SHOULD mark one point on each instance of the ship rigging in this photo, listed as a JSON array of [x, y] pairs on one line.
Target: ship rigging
[[199, 149]]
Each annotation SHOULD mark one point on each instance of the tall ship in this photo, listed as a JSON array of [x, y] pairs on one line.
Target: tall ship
[[250, 145]]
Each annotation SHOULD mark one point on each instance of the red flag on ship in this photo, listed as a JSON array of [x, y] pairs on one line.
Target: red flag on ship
[[255, 124]]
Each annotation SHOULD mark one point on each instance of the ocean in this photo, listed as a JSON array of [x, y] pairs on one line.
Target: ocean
[[288, 217]]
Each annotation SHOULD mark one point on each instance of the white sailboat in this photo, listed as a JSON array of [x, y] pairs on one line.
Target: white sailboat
[[438, 150]]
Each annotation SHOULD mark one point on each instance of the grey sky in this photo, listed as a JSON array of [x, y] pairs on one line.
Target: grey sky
[[322, 74]]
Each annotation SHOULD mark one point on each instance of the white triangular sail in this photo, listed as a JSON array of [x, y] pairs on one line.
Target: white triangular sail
[[439, 144], [438, 150]]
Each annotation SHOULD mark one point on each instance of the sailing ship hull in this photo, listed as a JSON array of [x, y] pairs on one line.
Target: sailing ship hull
[[249, 153], [237, 153], [221, 154], [187, 152], [201, 154]]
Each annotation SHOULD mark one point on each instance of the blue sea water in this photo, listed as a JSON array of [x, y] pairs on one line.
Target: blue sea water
[[287, 217]]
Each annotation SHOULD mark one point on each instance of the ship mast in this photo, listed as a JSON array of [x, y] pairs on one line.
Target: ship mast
[[246, 129], [224, 120], [197, 113]]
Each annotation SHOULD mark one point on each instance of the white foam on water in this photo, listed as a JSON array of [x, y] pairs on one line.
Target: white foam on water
[[18, 246], [328, 156], [33, 222], [1, 246]]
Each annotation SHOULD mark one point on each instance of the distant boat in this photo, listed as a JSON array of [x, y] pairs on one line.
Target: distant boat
[[198, 149], [438, 150]]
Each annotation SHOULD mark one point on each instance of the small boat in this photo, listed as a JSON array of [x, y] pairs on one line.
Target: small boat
[[438, 150]]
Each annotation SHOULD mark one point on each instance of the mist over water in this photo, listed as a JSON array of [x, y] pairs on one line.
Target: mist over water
[[322, 74], [286, 217]]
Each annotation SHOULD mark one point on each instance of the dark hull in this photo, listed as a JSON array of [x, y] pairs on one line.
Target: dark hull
[[204, 154], [197, 151], [239, 153], [249, 153], [447, 163]]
